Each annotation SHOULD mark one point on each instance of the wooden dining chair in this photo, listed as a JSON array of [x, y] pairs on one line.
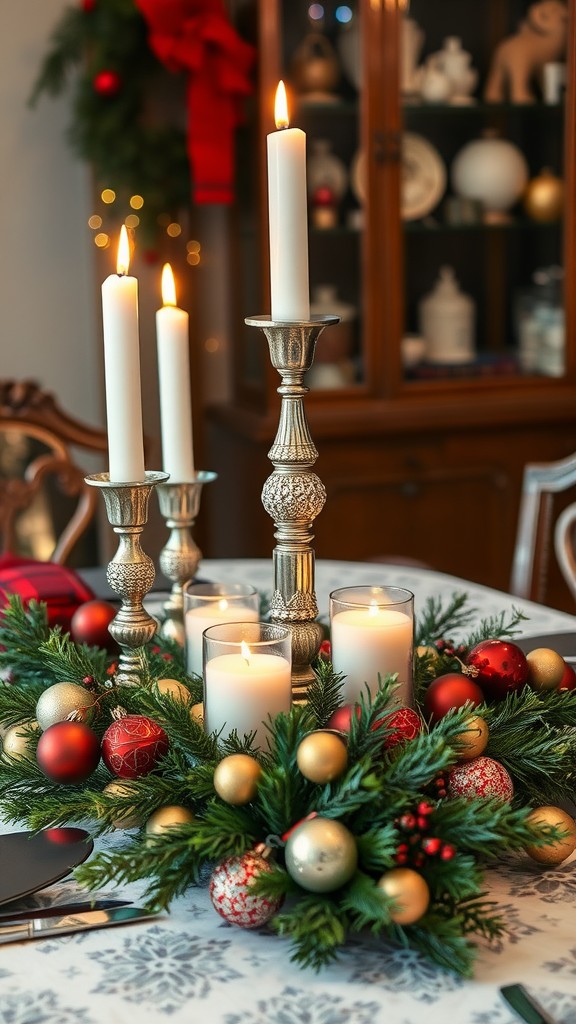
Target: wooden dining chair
[[43, 495], [541, 530]]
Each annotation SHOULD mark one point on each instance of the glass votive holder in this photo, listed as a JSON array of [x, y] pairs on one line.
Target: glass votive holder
[[372, 632], [247, 677], [208, 604]]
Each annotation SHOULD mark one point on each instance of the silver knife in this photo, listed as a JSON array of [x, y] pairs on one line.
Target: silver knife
[[40, 928], [8, 913], [527, 1008]]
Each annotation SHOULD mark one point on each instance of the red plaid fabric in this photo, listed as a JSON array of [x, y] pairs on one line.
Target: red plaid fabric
[[61, 588]]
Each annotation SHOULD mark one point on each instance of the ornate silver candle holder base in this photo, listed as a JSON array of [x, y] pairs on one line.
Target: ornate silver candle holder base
[[180, 557], [131, 572], [294, 495]]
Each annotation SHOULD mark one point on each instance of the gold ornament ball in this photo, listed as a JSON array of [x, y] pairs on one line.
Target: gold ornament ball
[[197, 713], [473, 740], [322, 756], [544, 197], [236, 778], [59, 701], [167, 817], [321, 854], [410, 893], [174, 688], [16, 742], [129, 818], [545, 669], [428, 651], [553, 853]]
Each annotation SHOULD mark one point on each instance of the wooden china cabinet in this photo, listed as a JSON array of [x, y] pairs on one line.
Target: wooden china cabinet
[[422, 460]]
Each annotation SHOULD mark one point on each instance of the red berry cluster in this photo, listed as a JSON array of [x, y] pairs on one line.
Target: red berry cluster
[[448, 649], [418, 846]]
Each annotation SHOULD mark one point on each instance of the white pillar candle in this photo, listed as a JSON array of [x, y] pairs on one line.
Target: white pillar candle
[[369, 641], [288, 217], [172, 336], [242, 691], [210, 613], [122, 371]]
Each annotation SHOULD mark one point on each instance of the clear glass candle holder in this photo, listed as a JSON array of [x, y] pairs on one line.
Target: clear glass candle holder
[[247, 677], [208, 604], [372, 633]]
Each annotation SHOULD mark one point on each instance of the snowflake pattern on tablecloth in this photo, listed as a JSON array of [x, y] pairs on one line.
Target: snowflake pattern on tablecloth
[[43, 1007], [564, 965], [397, 970], [295, 1006], [517, 929], [164, 968], [555, 886]]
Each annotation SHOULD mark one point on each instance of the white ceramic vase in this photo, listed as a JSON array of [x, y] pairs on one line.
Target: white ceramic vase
[[492, 171]]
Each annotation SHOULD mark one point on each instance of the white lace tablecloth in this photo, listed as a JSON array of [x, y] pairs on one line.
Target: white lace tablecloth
[[190, 965]]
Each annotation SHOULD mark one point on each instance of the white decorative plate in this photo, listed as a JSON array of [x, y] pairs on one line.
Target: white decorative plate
[[423, 176]]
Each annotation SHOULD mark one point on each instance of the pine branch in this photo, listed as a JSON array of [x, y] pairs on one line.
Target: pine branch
[[502, 626], [65, 660], [324, 693], [22, 631], [436, 621], [316, 928]]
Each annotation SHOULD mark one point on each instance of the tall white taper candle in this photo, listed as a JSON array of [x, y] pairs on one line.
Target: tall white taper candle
[[172, 337]]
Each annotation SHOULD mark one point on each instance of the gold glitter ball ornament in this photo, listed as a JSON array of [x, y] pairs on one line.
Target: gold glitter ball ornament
[[236, 779], [544, 197], [62, 700], [322, 756], [321, 854], [410, 893], [174, 688], [545, 669], [130, 817], [197, 713], [167, 817], [553, 853], [473, 740]]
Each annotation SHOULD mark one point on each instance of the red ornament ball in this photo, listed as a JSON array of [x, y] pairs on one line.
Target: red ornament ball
[[342, 717], [230, 893], [323, 196], [406, 725], [480, 777], [88, 6], [568, 681], [132, 746], [502, 667], [90, 622], [452, 690], [107, 83], [68, 752]]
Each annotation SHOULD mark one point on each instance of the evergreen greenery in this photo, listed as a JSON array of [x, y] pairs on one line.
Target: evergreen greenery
[[532, 734]]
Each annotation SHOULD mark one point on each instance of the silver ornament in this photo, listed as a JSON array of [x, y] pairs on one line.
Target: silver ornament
[[61, 700], [321, 855]]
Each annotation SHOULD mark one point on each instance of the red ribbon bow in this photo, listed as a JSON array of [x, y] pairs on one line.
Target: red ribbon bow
[[195, 36]]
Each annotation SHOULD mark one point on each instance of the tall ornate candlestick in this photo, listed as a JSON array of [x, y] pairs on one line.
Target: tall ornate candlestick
[[180, 557], [294, 495], [131, 572]]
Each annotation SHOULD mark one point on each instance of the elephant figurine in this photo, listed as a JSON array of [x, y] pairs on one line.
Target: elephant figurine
[[541, 37]]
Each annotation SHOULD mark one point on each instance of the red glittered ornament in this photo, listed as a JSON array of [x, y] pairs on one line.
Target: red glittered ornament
[[405, 723], [107, 83], [480, 777], [342, 717], [568, 681], [132, 746], [68, 752], [452, 690], [502, 667], [230, 891], [90, 622]]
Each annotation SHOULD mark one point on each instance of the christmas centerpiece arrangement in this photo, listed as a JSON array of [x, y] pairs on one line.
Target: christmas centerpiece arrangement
[[357, 816]]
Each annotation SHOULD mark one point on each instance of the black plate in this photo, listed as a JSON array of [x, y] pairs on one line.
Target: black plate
[[563, 643], [30, 861]]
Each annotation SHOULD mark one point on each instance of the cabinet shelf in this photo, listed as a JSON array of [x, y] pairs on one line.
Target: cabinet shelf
[[521, 224], [482, 109]]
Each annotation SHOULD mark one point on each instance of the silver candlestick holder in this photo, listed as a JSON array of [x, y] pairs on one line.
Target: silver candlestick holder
[[131, 572], [180, 557], [294, 495]]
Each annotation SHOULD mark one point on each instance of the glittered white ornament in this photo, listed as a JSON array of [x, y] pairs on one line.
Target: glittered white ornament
[[230, 893]]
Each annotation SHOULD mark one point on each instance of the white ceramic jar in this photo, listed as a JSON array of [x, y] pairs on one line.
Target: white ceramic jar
[[447, 320], [493, 171]]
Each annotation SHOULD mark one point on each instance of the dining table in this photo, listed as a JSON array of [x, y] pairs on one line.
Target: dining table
[[189, 964]]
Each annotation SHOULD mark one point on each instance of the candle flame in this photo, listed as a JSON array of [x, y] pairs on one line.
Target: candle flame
[[246, 653], [168, 286], [373, 608], [223, 604], [281, 106], [123, 261]]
